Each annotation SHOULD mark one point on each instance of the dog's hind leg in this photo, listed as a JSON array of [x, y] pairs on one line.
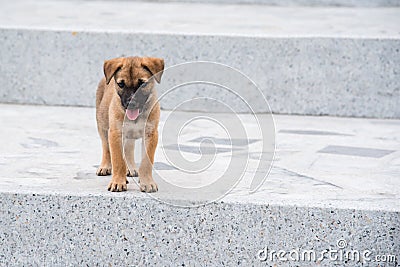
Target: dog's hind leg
[[105, 165]]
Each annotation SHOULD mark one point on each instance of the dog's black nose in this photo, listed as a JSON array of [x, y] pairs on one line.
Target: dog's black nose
[[138, 99]]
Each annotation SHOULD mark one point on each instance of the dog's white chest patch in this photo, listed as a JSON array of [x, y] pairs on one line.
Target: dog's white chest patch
[[136, 129]]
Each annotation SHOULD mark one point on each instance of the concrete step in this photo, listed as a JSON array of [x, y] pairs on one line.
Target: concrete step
[[306, 60], [335, 3], [332, 179]]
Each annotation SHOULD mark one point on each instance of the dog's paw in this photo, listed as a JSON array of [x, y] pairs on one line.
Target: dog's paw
[[114, 186], [103, 171], [149, 187], [132, 173]]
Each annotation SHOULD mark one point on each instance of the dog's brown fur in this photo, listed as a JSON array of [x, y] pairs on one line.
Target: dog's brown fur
[[110, 118]]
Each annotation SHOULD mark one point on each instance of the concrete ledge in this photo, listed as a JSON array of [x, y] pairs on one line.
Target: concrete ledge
[[335, 3], [314, 3], [306, 65], [310, 76], [122, 230]]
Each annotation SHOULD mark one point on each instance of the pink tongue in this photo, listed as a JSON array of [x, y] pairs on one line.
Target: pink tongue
[[132, 114]]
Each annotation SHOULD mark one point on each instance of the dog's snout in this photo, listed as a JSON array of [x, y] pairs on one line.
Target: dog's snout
[[133, 99], [126, 98], [138, 99], [130, 98]]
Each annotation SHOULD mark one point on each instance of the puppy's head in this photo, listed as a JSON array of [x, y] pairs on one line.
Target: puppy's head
[[134, 80]]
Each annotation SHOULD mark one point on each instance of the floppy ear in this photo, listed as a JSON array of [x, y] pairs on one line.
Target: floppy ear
[[111, 67], [155, 66]]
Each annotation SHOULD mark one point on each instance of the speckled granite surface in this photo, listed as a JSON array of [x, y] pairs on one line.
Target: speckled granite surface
[[334, 61], [343, 77], [57, 230]]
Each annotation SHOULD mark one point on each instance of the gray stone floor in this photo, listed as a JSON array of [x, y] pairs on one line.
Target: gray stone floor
[[201, 18], [319, 161]]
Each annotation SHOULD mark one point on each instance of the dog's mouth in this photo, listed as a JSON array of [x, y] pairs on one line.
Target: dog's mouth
[[132, 114], [134, 104]]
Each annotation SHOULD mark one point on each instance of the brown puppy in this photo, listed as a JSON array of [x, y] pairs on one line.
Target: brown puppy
[[128, 89]]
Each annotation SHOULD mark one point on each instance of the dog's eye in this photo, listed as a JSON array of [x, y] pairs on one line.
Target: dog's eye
[[121, 84]]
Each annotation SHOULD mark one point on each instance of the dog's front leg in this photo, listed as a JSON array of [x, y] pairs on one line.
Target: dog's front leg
[[146, 180], [118, 180], [129, 153]]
